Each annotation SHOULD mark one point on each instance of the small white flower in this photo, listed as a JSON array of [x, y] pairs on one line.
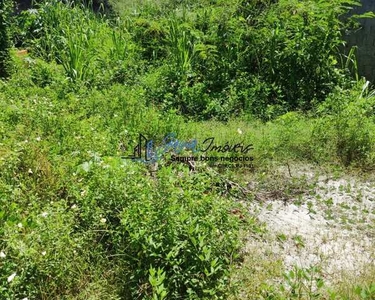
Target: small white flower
[[19, 225], [239, 131], [44, 214], [103, 220], [38, 139], [30, 171], [44, 253], [73, 206], [83, 193], [25, 298], [2, 254], [11, 277]]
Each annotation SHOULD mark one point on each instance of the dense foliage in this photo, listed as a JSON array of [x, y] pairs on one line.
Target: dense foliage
[[73, 214], [260, 57], [79, 222], [5, 13]]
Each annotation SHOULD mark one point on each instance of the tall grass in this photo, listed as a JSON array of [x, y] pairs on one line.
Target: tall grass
[[182, 46], [76, 57], [73, 36], [120, 44]]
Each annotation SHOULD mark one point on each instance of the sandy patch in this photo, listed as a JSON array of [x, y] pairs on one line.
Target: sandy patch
[[333, 227]]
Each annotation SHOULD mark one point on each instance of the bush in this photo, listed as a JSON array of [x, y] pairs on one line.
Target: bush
[[6, 7], [174, 225], [346, 126], [275, 56], [296, 48]]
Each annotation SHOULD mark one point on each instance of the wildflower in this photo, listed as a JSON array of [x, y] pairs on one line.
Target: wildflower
[[2, 254], [44, 253], [11, 277], [73, 206], [103, 220], [44, 214], [19, 225], [30, 171], [239, 131], [38, 139]]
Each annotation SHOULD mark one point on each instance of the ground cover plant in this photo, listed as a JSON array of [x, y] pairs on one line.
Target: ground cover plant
[[80, 81]]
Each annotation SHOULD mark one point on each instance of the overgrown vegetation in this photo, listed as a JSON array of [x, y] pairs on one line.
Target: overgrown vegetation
[[79, 222], [5, 13]]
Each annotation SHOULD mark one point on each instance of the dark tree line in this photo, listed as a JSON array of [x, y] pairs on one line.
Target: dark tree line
[[5, 12]]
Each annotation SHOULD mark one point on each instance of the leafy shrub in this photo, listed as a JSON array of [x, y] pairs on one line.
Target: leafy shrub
[[151, 37], [275, 56], [297, 47], [44, 74], [347, 126], [6, 7], [185, 233]]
